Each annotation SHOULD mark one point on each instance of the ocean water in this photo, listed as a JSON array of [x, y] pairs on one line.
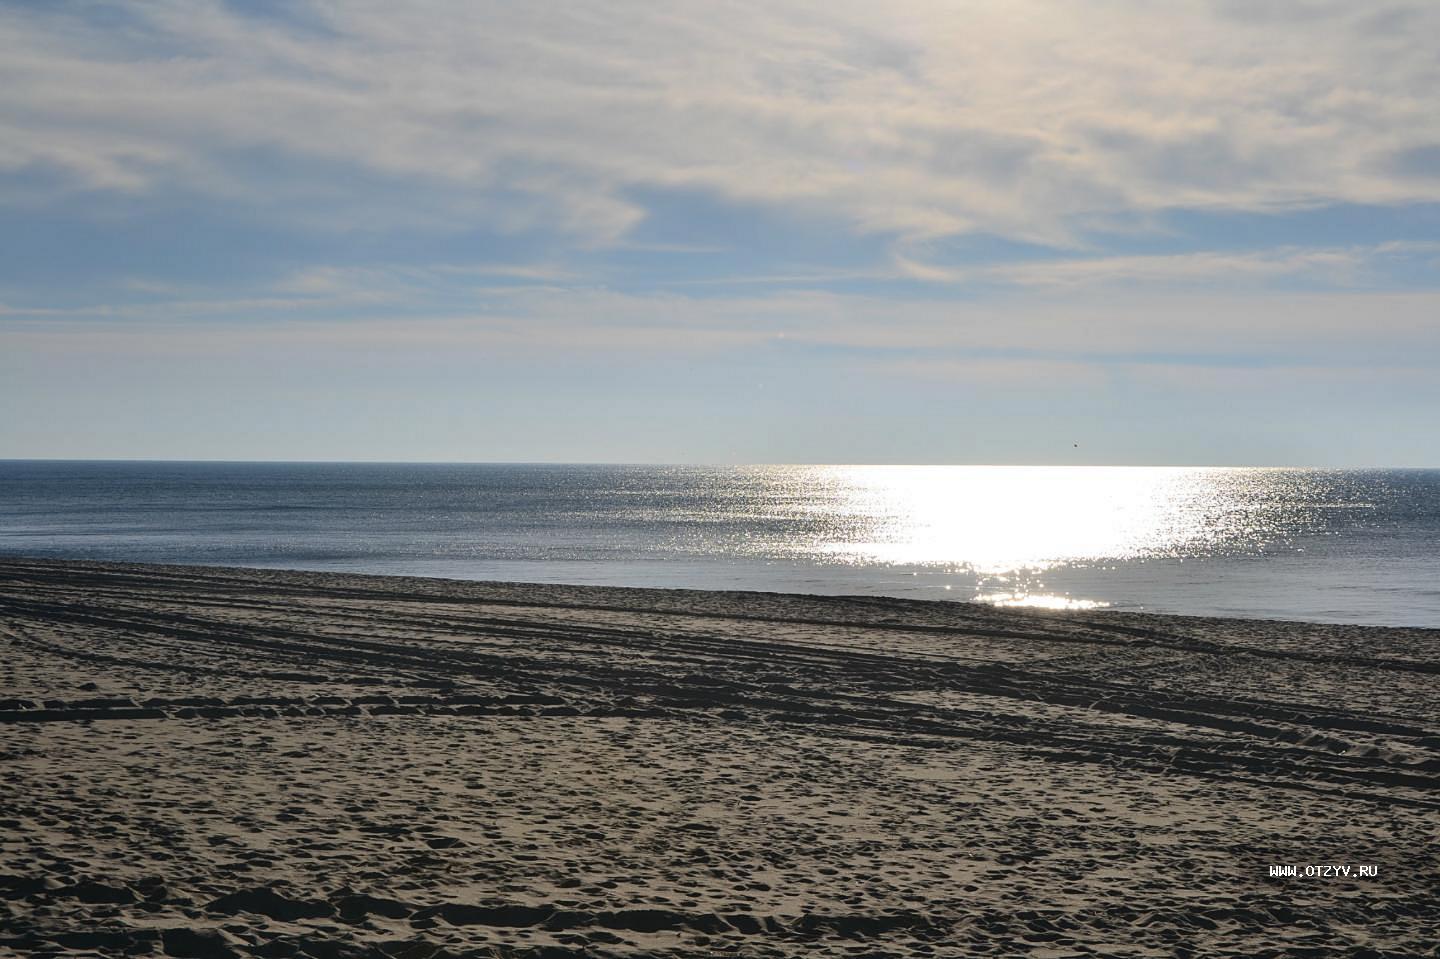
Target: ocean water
[[1356, 546]]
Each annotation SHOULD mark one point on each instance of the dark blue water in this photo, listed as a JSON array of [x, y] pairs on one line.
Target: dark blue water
[[1324, 545]]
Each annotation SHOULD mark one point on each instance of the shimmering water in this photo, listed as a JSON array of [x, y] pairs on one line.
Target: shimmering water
[[1329, 545]]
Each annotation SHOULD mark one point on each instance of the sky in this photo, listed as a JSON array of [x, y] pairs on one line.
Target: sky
[[1078, 231]]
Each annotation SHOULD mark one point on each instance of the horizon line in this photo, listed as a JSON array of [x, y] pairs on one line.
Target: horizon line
[[692, 464]]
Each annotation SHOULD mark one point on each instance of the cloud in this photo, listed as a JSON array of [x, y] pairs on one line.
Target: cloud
[[1185, 268], [1336, 266], [918, 118]]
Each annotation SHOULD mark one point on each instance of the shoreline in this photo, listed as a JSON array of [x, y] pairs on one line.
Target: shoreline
[[1105, 611], [240, 761]]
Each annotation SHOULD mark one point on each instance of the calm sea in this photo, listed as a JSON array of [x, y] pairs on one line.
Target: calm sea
[[1359, 546]]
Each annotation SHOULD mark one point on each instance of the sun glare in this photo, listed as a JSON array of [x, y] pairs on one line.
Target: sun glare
[[996, 520], [1000, 528]]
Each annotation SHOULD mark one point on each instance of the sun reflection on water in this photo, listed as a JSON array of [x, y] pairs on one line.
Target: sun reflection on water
[[1004, 526], [1000, 519]]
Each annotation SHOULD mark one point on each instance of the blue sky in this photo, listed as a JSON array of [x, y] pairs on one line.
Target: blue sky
[[1191, 233]]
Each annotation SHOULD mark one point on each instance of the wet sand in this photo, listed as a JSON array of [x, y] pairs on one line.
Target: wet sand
[[218, 762]]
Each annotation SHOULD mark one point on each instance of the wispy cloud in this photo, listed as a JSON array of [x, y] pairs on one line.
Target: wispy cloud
[[1336, 266], [920, 118]]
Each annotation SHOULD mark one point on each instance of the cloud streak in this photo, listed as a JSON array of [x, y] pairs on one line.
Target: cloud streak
[[1334, 266], [1381, 331]]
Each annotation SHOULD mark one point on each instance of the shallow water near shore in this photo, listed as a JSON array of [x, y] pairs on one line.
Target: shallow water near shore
[[1358, 546]]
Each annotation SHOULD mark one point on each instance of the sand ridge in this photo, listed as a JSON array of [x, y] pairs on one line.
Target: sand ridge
[[202, 761]]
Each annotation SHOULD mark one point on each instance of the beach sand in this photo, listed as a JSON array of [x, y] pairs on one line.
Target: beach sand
[[217, 762]]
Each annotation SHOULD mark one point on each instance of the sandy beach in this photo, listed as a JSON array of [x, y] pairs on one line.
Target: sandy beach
[[222, 762]]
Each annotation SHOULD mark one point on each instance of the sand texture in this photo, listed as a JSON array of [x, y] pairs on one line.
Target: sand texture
[[215, 762]]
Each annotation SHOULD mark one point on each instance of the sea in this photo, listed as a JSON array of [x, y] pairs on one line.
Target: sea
[[1321, 545]]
